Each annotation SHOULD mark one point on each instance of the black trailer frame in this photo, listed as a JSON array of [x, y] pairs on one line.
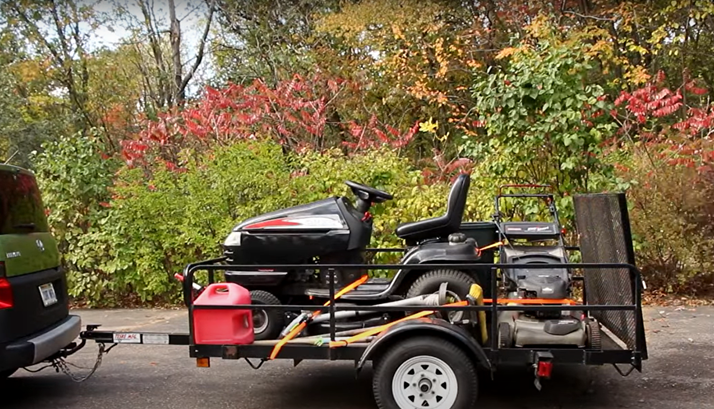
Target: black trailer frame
[[490, 355]]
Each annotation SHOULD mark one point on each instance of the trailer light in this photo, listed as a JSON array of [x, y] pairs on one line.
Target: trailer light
[[203, 362], [544, 369]]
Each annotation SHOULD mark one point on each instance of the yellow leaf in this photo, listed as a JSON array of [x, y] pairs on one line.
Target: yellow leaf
[[505, 53], [429, 126]]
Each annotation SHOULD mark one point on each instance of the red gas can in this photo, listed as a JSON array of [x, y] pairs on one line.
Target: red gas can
[[223, 326]]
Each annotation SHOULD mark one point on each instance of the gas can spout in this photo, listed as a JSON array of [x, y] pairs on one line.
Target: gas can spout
[[196, 286]]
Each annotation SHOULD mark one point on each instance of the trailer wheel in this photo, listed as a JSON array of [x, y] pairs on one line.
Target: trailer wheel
[[267, 324], [458, 286], [425, 372]]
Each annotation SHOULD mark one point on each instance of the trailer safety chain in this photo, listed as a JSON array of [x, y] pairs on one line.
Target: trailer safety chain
[[61, 365]]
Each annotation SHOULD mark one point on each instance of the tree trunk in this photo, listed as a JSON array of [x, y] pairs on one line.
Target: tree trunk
[[179, 90]]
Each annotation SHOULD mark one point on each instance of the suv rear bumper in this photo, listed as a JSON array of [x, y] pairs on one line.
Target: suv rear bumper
[[40, 346]]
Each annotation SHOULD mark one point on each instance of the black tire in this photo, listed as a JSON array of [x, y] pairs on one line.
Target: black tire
[[418, 350], [274, 319], [505, 339], [594, 340], [6, 374], [429, 282]]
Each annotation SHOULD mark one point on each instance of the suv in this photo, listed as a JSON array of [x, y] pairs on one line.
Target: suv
[[35, 323]]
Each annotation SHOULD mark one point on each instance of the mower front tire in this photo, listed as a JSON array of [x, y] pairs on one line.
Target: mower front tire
[[267, 324], [425, 371]]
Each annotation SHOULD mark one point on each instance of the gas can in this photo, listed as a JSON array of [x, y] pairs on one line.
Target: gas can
[[223, 326]]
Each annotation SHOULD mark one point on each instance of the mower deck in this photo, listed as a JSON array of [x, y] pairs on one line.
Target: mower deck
[[373, 287]]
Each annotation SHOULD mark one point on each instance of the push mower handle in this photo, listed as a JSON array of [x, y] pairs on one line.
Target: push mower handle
[[524, 186]]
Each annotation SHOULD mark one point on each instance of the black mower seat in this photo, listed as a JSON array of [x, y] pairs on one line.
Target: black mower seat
[[441, 226]]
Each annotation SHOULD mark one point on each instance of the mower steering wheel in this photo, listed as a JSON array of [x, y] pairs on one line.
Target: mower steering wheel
[[366, 195]]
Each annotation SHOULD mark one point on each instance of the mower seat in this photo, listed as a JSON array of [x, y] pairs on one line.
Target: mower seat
[[441, 226]]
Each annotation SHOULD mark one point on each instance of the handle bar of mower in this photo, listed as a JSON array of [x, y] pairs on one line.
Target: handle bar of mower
[[524, 186]]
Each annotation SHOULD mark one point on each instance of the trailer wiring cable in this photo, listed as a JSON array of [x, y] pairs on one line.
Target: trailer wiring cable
[[624, 374], [61, 365], [256, 367], [309, 317]]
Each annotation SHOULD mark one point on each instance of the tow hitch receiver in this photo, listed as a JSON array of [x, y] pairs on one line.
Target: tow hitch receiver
[[543, 367]]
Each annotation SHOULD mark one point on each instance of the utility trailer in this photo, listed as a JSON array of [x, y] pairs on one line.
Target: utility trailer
[[428, 358]]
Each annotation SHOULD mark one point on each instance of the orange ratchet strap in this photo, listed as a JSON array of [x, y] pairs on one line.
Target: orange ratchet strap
[[530, 301], [298, 328], [490, 246], [377, 330]]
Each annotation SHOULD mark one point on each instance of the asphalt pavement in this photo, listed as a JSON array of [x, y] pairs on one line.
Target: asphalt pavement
[[678, 375]]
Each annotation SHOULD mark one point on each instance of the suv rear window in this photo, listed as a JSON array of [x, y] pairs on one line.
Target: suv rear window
[[21, 208]]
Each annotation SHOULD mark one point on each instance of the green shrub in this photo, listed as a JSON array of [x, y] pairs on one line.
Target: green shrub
[[74, 179], [157, 224]]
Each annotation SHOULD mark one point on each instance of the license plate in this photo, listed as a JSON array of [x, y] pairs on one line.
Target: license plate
[[49, 297]]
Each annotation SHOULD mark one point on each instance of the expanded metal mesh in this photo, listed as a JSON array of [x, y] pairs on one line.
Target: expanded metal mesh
[[603, 225]]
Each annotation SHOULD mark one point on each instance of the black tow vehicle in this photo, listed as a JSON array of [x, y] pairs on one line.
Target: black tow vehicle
[[430, 357]]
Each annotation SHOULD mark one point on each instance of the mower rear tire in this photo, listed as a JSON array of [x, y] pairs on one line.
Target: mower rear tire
[[267, 324], [429, 282], [425, 371]]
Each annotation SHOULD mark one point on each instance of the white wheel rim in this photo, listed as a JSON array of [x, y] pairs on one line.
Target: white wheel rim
[[260, 321], [454, 316], [424, 382]]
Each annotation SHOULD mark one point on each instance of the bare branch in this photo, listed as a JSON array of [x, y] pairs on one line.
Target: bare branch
[[590, 17], [199, 56], [33, 27]]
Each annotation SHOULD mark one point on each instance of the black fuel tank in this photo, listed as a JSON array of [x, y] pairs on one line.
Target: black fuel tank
[[299, 233]]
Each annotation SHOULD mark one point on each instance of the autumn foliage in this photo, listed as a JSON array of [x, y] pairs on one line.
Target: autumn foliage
[[405, 94], [300, 114]]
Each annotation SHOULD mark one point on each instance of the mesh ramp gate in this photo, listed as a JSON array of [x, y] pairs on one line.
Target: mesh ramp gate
[[603, 224]]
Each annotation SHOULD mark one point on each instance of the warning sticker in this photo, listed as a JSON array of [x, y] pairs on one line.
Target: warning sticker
[[127, 338], [156, 339]]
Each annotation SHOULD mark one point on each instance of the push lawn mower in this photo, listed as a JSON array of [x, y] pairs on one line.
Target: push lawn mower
[[530, 243], [336, 231]]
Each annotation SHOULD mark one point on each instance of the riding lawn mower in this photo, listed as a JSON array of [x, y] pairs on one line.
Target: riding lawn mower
[[337, 231]]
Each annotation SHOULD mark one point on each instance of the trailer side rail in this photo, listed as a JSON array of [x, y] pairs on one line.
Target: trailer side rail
[[616, 353]]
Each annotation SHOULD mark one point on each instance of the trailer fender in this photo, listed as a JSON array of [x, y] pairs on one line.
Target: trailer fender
[[425, 326]]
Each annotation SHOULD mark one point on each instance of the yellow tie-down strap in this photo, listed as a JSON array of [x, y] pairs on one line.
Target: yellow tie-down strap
[[477, 293]]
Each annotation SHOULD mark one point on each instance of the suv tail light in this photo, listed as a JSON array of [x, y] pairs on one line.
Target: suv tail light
[[6, 300]]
